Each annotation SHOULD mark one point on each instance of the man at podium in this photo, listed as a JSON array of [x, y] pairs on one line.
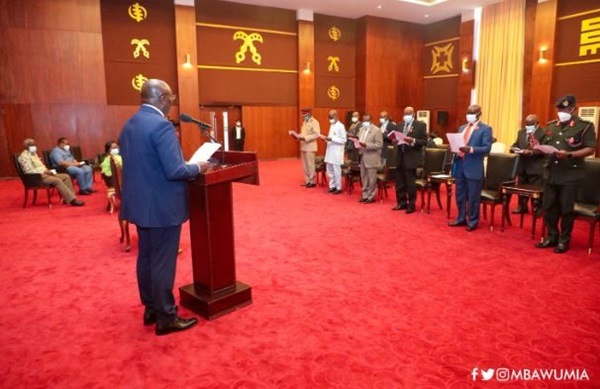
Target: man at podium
[[154, 198]]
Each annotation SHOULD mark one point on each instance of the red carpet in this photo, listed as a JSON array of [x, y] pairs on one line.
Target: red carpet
[[345, 295]]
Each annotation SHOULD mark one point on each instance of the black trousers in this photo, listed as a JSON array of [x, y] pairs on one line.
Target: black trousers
[[406, 189], [239, 145], [156, 262], [559, 203]]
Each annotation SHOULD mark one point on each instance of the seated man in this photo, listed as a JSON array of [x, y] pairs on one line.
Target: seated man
[[32, 164], [61, 156]]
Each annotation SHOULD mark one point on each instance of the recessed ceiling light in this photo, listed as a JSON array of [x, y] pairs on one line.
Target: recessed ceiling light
[[379, 7], [427, 3], [426, 15]]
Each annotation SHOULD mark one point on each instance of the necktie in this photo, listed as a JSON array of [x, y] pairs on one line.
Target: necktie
[[364, 135], [467, 134], [406, 127], [532, 141]]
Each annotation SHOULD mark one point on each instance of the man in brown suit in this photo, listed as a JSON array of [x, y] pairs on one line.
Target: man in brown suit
[[308, 146], [371, 141]]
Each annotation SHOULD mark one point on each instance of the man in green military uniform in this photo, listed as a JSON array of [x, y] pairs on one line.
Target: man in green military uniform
[[574, 140]]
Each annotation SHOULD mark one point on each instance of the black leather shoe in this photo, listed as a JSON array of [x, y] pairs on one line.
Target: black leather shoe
[[362, 200], [457, 223], [337, 191], [331, 190], [561, 248], [90, 191], [306, 183], [310, 185], [84, 193], [399, 207], [410, 210], [519, 211], [179, 324], [77, 203], [545, 244], [370, 201], [149, 318], [471, 228]]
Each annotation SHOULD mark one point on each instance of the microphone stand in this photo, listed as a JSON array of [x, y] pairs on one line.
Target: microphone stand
[[207, 133]]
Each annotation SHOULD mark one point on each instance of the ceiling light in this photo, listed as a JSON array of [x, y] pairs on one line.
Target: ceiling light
[[427, 3], [379, 7], [426, 15]]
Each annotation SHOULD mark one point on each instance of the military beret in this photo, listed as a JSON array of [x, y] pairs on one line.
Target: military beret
[[306, 110], [567, 101]]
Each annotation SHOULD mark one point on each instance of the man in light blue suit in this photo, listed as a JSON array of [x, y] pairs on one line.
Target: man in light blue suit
[[154, 198], [468, 168]]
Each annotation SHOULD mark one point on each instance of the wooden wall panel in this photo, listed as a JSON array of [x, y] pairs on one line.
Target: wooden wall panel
[[306, 53], [466, 80], [361, 64], [530, 16], [268, 131]]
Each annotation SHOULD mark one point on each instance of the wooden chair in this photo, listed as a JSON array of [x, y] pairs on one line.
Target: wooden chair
[[78, 155], [433, 163], [351, 171], [123, 224], [587, 200], [501, 171], [32, 182], [320, 170], [387, 173]]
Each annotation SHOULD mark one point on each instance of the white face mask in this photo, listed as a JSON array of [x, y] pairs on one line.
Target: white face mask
[[238, 124], [306, 117], [407, 118], [564, 117], [530, 129], [382, 120], [114, 151], [66, 147], [32, 149], [354, 120], [471, 118], [366, 124], [332, 121]]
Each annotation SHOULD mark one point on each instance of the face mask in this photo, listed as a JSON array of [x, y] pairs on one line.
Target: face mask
[[530, 129], [114, 151], [366, 124], [332, 121], [382, 120], [354, 120], [66, 147], [306, 117], [407, 118], [564, 117], [32, 149], [471, 118]]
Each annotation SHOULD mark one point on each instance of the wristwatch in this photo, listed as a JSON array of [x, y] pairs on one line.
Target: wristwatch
[[569, 155]]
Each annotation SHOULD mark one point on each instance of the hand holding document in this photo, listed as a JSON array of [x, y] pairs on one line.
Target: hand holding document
[[294, 134], [399, 136], [456, 141], [204, 152], [324, 138], [357, 143], [546, 149]]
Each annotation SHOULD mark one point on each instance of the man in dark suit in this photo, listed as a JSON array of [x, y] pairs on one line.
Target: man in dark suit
[[410, 157], [468, 168], [530, 163], [154, 198], [387, 126], [237, 136]]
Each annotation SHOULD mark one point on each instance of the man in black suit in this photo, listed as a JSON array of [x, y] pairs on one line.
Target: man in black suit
[[531, 164], [410, 157], [387, 126], [237, 136]]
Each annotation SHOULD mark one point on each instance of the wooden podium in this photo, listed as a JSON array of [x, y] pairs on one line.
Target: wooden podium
[[215, 291]]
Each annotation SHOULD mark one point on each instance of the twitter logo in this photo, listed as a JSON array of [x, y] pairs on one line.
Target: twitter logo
[[487, 375]]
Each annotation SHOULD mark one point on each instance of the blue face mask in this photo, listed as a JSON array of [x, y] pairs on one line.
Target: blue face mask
[[407, 118], [530, 129], [306, 117]]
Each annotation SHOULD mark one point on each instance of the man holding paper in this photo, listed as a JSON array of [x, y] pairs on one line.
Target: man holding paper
[[410, 141], [369, 144], [468, 167], [154, 198], [574, 139], [334, 156], [309, 133]]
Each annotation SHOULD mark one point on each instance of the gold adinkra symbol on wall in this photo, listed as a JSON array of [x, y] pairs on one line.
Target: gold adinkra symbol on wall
[[590, 37], [137, 12], [334, 64], [333, 92], [334, 33], [140, 47], [442, 58], [248, 44], [138, 81]]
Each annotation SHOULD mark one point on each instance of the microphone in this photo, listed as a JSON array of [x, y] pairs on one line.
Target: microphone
[[188, 119]]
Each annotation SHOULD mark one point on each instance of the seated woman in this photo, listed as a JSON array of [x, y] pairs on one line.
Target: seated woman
[[111, 151]]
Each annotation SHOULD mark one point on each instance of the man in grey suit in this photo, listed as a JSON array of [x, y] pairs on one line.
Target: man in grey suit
[[371, 142]]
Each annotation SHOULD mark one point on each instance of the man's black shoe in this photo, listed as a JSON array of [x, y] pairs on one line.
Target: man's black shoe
[[84, 193], [337, 191], [561, 248], [310, 185], [362, 200], [399, 207], [370, 201], [410, 210], [545, 244], [331, 190], [179, 324], [457, 223], [77, 203], [471, 228], [149, 318]]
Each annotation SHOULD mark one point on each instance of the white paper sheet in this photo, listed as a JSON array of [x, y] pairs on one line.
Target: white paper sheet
[[204, 152], [456, 140], [546, 149]]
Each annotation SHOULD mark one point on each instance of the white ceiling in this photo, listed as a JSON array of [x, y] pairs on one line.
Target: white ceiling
[[391, 9]]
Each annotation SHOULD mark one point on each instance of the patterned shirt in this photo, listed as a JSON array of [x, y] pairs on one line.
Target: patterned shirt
[[31, 163]]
